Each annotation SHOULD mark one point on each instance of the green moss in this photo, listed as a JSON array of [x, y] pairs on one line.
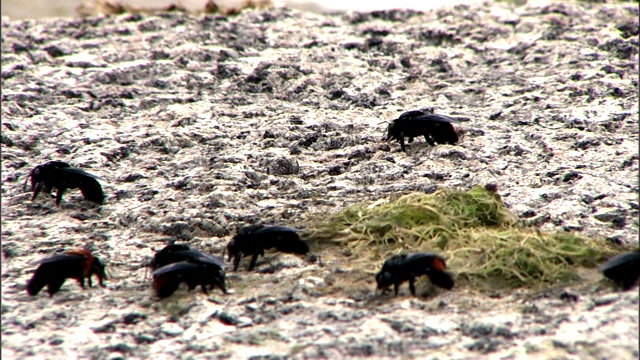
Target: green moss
[[480, 238]]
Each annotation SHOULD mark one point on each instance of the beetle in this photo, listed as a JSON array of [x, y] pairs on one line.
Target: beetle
[[74, 264], [167, 278], [400, 268], [435, 128], [196, 268], [167, 255], [180, 252], [60, 175], [254, 239], [623, 269]]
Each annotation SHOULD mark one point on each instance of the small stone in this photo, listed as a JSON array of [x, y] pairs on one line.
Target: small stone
[[311, 282], [483, 346], [607, 214], [227, 318], [270, 300], [569, 297], [144, 339], [84, 61], [361, 350], [133, 318], [171, 328], [244, 321], [335, 170], [56, 341], [606, 299], [55, 51], [478, 330], [283, 166], [559, 344]]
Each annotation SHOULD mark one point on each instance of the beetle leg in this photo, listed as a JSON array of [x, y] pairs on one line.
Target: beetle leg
[[47, 189], [59, 195], [396, 285], [204, 288], [428, 138], [219, 282], [236, 260], [402, 141], [100, 280], [412, 286], [30, 177], [36, 190], [253, 260], [89, 280], [81, 282]]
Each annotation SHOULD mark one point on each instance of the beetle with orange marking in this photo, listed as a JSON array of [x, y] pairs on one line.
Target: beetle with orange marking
[[400, 268], [74, 264]]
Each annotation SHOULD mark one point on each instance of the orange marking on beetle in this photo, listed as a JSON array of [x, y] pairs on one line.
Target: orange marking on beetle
[[438, 264], [88, 264]]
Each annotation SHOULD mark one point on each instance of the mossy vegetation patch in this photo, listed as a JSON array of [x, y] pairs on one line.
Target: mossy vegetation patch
[[483, 243]]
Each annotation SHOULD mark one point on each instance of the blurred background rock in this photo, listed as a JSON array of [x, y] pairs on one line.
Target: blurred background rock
[[26, 9]]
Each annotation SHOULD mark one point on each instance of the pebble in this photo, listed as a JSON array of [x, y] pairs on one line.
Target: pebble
[[171, 328]]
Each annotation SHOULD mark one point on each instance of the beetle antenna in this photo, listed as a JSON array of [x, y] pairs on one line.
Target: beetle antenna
[[24, 186]]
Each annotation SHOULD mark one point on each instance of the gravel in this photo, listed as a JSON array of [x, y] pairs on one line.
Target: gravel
[[199, 125]]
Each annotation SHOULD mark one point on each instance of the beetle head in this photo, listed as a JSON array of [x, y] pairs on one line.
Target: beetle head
[[392, 131], [218, 280], [384, 279], [43, 172], [98, 268], [35, 176]]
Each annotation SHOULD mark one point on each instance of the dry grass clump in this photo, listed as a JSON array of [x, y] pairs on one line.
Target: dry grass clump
[[480, 238]]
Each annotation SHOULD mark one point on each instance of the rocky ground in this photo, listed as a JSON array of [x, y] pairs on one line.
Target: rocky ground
[[197, 125]]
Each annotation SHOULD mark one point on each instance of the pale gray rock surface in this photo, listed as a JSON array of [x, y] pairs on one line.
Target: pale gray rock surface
[[199, 125]]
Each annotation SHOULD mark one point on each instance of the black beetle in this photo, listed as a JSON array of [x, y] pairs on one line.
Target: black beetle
[[178, 263], [74, 264], [623, 269], [254, 239], [434, 128], [400, 268], [166, 279], [180, 252], [60, 175]]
